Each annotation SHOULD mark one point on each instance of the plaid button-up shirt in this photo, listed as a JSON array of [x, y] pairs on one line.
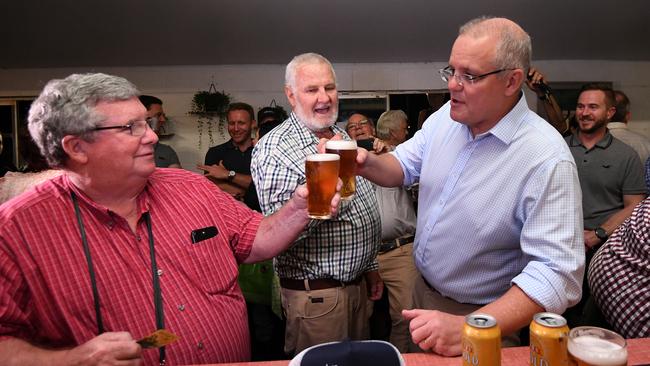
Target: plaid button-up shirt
[[341, 248]]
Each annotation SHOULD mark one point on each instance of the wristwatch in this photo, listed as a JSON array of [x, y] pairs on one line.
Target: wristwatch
[[231, 175], [601, 234]]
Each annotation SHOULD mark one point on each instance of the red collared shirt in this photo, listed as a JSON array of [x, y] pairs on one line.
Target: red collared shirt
[[45, 289]]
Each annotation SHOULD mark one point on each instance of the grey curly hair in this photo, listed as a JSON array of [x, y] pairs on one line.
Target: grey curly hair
[[66, 107]]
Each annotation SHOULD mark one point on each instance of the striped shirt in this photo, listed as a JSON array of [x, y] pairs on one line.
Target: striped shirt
[[45, 289], [497, 209], [341, 248], [619, 275]]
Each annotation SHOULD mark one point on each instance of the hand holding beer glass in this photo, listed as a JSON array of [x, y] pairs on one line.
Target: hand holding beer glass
[[593, 346], [322, 171], [347, 150]]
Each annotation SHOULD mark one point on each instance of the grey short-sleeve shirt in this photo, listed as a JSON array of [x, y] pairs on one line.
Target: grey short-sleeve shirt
[[607, 172]]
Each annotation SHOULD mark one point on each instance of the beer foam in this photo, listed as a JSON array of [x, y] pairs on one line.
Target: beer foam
[[323, 157], [597, 351], [341, 145]]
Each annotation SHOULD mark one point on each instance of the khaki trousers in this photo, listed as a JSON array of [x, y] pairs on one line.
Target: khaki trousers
[[397, 270], [328, 315], [424, 297]]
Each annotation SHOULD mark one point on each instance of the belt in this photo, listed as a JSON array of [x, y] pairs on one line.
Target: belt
[[317, 284], [389, 245]]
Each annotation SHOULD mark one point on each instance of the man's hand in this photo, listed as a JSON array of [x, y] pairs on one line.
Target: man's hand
[[374, 285], [536, 82], [215, 171], [111, 348], [591, 240], [379, 146], [301, 195], [436, 331]]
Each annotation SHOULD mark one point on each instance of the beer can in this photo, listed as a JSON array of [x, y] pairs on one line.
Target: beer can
[[549, 334], [481, 341]]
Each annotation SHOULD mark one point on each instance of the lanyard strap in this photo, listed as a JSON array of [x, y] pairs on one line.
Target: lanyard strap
[[157, 293]]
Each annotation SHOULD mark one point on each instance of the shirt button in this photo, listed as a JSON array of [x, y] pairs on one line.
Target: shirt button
[[181, 307], [159, 272], [199, 345], [138, 238]]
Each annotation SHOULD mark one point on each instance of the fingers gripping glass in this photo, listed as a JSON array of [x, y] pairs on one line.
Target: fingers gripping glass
[[136, 128], [448, 72]]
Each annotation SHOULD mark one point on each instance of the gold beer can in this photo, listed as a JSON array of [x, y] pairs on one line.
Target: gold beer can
[[481, 341], [549, 334]]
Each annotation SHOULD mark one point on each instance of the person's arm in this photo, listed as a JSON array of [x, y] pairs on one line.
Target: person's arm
[[106, 349], [278, 231], [629, 202], [442, 332], [536, 83], [221, 174]]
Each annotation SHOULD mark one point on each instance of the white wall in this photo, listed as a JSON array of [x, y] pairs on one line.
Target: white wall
[[259, 84]]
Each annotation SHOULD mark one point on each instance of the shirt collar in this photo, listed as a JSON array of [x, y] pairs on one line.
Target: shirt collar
[[232, 145], [305, 136], [602, 143], [614, 125], [143, 200], [507, 127]]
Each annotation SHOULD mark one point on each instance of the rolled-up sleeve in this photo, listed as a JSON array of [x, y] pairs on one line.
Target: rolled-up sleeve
[[552, 237]]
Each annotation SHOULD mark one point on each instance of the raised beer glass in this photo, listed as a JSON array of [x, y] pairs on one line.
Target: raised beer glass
[[322, 171], [347, 150], [593, 346]]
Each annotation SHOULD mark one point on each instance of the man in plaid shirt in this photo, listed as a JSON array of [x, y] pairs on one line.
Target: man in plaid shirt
[[330, 271]]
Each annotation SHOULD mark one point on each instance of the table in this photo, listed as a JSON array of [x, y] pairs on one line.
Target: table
[[638, 354]]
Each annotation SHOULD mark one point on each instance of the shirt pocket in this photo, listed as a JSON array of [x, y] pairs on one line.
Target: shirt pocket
[[212, 264]]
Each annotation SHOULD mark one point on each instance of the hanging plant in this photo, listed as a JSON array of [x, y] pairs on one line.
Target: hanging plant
[[210, 107]]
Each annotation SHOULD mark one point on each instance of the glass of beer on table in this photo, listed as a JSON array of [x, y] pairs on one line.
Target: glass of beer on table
[[593, 346], [347, 150], [322, 171]]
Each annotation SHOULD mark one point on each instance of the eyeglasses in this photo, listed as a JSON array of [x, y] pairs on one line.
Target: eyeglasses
[[363, 122], [136, 128], [461, 79]]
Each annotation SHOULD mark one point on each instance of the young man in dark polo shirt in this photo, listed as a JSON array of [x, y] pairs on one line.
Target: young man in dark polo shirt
[[610, 174], [229, 164]]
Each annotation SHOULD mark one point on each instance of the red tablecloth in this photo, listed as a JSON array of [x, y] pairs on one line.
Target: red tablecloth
[[638, 354]]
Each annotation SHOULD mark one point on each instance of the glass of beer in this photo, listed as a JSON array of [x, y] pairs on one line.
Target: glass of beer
[[347, 150], [322, 171], [593, 346]]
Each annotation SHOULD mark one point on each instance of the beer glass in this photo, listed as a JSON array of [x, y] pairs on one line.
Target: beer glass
[[347, 150], [322, 171], [593, 346]]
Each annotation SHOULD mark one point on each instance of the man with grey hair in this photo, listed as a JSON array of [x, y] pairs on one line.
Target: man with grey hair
[[618, 127], [398, 221], [499, 220], [80, 276], [323, 275]]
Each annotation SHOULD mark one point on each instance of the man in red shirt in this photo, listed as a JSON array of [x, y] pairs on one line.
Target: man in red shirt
[[114, 248]]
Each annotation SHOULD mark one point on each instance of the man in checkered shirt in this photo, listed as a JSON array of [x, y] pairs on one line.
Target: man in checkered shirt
[[619, 275], [330, 271]]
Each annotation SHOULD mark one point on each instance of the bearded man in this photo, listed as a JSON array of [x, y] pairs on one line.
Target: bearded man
[[331, 270]]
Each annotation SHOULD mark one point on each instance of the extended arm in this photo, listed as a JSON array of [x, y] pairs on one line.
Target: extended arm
[[278, 231], [441, 332], [629, 202], [106, 349], [537, 84]]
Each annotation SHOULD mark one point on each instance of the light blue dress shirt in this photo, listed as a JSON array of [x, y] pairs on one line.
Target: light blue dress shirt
[[498, 209]]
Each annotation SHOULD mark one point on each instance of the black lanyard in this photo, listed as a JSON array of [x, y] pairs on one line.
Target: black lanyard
[[157, 295]]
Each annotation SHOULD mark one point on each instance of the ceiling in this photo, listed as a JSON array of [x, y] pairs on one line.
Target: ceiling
[[67, 33]]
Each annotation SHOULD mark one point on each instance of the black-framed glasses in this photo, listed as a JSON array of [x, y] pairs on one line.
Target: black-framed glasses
[[448, 72], [136, 128]]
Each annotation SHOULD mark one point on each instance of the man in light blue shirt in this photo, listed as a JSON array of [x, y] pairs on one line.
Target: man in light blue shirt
[[499, 226]]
